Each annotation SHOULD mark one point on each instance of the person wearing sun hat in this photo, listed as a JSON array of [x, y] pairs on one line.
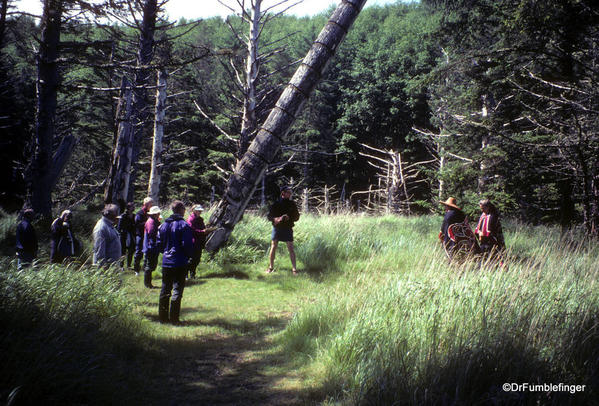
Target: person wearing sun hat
[[150, 245], [196, 222], [453, 214]]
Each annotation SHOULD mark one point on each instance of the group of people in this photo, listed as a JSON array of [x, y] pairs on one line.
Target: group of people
[[131, 238], [457, 236]]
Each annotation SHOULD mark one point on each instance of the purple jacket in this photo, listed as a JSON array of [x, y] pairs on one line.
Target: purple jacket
[[175, 241], [150, 236], [199, 230]]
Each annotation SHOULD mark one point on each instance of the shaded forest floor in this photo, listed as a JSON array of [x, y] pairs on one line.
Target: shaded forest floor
[[225, 352]]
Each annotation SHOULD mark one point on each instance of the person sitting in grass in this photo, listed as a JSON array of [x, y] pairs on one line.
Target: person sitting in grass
[[175, 241], [150, 245], [283, 214]]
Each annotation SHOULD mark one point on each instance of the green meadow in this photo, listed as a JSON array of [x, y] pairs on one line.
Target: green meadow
[[377, 316]]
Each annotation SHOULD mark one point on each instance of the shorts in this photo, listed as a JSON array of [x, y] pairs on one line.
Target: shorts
[[284, 234]]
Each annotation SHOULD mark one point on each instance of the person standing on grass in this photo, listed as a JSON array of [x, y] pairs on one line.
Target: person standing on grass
[[26, 240], [175, 241], [140, 222], [63, 243], [489, 229], [107, 241], [453, 214], [150, 247], [126, 227], [196, 222], [283, 214]]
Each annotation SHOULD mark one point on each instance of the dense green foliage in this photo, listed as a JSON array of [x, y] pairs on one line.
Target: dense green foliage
[[495, 99]]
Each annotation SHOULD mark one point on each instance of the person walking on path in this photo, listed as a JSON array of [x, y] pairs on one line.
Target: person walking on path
[[175, 241], [63, 243], [126, 227], [140, 222], [150, 248], [26, 240], [196, 222], [283, 214], [107, 241], [489, 229]]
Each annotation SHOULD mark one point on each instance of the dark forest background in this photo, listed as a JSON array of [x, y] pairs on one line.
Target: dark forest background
[[495, 99]]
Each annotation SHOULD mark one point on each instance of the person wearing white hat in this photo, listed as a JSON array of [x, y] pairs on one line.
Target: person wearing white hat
[[140, 221], [196, 222], [150, 245]]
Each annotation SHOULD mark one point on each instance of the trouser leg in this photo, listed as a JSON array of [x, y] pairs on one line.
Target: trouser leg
[[165, 295], [193, 264], [138, 253], [150, 263], [178, 287]]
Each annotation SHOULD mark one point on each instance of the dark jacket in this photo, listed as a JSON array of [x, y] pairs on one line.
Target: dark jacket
[[151, 236], [451, 217], [140, 222], [26, 238], [126, 228], [62, 243], [284, 206], [175, 241], [199, 230]]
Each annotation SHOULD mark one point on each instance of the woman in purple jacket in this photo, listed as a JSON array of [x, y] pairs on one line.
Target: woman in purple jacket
[[175, 241], [150, 245], [196, 222]]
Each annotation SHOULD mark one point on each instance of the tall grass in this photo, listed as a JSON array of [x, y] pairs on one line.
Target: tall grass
[[67, 337], [403, 327]]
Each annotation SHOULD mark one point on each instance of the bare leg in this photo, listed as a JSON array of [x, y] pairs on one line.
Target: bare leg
[[271, 257], [291, 256]]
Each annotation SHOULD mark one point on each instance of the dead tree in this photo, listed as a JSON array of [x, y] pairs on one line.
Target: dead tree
[[267, 143], [397, 179], [160, 110], [118, 185]]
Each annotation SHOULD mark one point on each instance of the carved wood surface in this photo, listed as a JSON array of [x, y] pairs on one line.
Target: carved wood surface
[[267, 143]]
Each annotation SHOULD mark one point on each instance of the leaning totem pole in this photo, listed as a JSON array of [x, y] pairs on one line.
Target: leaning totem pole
[[267, 143]]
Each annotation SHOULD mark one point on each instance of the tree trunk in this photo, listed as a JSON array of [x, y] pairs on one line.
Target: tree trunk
[[3, 11], [117, 187], [248, 120], [156, 170], [267, 144], [40, 170], [142, 76]]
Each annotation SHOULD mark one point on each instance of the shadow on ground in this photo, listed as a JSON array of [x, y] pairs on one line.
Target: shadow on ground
[[236, 369]]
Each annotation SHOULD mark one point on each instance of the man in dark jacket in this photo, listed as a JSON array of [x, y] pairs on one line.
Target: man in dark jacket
[[126, 228], [26, 240], [140, 222], [175, 241], [283, 214]]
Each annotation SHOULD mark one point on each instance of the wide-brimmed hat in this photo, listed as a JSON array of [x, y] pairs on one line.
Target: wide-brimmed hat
[[154, 210], [451, 202], [198, 207], [285, 188]]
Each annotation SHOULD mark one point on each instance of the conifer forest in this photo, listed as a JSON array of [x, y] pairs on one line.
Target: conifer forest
[[108, 101]]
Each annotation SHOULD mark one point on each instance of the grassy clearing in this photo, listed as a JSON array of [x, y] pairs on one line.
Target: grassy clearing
[[404, 327], [376, 317]]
